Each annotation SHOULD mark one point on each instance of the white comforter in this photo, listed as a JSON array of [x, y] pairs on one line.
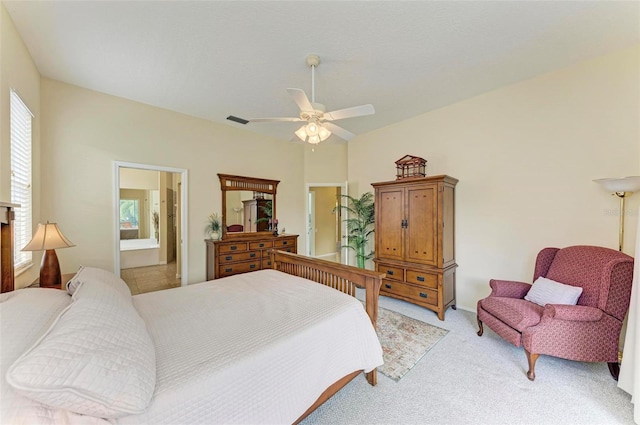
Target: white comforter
[[252, 348]]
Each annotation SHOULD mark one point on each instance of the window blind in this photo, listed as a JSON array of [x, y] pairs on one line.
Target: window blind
[[21, 143]]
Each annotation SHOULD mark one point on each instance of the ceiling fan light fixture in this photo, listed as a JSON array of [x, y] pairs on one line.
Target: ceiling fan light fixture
[[302, 133], [314, 140], [313, 129], [323, 133]]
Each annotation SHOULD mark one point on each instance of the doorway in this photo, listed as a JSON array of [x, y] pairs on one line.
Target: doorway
[[325, 221], [150, 236]]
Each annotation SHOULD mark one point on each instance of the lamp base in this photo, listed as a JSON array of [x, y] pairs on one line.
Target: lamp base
[[50, 276]]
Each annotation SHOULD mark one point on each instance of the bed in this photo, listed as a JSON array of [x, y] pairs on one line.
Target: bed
[[262, 347]]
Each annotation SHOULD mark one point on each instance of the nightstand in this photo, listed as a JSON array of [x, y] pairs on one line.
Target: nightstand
[[65, 278]]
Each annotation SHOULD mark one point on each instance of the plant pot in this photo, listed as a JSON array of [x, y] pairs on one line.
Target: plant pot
[[214, 236]]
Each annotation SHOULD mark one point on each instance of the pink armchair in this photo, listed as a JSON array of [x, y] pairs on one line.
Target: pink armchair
[[588, 331]]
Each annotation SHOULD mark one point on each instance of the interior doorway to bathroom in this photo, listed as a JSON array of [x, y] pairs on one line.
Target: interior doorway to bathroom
[[150, 238]]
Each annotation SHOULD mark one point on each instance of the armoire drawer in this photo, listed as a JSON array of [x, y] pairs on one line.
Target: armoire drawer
[[422, 279], [416, 293], [395, 273]]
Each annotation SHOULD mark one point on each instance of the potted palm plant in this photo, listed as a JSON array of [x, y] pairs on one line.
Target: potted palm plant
[[213, 227], [359, 225]]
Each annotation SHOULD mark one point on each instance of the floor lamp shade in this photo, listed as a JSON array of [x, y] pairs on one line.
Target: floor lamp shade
[[48, 238], [621, 187]]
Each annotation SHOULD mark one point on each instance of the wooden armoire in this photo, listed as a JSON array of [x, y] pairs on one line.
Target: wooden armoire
[[414, 237]]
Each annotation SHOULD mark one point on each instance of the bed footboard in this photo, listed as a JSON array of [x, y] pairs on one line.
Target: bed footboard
[[338, 276]]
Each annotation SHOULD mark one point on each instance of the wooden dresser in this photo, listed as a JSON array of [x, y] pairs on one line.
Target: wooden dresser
[[246, 254], [414, 234]]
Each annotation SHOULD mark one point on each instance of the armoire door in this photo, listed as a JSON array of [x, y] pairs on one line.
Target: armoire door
[[422, 224], [389, 219]]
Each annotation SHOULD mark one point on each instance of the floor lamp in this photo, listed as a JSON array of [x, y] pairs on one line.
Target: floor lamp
[[621, 187], [48, 238]]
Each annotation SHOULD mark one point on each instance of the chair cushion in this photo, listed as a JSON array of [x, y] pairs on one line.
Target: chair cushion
[[517, 313], [546, 291]]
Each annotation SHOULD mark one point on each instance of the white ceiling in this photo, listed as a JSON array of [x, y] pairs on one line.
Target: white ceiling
[[211, 59]]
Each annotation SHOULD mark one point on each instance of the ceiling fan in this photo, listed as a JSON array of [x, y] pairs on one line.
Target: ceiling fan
[[319, 125]]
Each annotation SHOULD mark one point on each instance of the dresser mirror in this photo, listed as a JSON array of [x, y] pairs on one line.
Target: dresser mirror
[[248, 203]]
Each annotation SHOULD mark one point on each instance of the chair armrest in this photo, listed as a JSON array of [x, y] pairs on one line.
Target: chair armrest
[[574, 313], [508, 288]]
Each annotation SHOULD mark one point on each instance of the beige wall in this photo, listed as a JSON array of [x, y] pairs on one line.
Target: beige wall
[[525, 156], [132, 178], [325, 163], [18, 72], [84, 131]]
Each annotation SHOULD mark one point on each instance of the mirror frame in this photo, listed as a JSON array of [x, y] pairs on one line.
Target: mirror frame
[[230, 183]]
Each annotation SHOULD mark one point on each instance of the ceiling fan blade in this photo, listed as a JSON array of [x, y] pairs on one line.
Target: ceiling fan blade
[[339, 131], [276, 119], [355, 111], [301, 99]]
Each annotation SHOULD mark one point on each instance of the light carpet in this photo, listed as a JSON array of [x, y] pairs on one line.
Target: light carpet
[[404, 341], [466, 379]]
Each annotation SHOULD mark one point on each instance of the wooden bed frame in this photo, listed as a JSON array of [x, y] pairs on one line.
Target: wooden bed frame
[[344, 279]]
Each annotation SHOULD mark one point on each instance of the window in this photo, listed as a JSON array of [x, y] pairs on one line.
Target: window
[[129, 213], [21, 178]]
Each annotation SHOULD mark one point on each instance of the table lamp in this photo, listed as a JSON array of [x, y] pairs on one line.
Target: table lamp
[[48, 237], [621, 187]]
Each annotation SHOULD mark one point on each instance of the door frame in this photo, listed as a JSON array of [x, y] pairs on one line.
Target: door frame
[[183, 243], [344, 190]]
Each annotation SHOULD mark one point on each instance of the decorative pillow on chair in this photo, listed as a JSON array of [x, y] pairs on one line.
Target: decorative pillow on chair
[[546, 291], [97, 359]]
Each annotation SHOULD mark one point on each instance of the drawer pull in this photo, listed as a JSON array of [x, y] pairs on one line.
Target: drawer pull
[[233, 248], [261, 245], [285, 242], [268, 263], [252, 266], [228, 270], [423, 295], [253, 254], [228, 257], [288, 249], [386, 285], [420, 278], [390, 272]]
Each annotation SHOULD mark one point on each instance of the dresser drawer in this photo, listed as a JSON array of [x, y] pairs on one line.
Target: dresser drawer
[[414, 293], [266, 263], [235, 268], [260, 245], [232, 247], [284, 243], [239, 256], [395, 273], [423, 279]]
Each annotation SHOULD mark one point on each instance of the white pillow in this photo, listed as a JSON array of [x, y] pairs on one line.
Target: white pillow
[[87, 274], [97, 359], [546, 291]]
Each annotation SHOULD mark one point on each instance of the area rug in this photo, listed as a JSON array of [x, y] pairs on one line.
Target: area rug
[[404, 341]]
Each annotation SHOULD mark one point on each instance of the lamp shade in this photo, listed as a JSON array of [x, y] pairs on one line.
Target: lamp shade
[[621, 184], [48, 236]]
